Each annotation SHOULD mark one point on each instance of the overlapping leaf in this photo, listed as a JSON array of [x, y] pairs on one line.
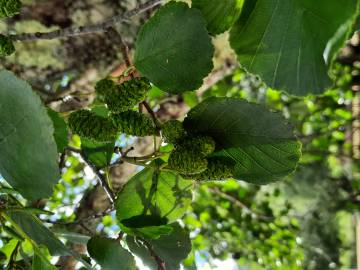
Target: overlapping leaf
[[151, 200], [219, 15], [260, 142], [291, 43]]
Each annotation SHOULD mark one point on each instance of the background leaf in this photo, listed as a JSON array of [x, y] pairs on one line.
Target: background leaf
[[219, 15], [28, 159], [40, 234], [110, 254], [258, 141], [60, 130], [172, 248], [174, 50], [287, 42], [152, 199]]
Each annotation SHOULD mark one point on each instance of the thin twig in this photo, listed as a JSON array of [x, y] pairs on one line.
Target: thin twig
[[88, 29], [160, 262], [152, 114], [79, 221], [113, 34], [101, 178]]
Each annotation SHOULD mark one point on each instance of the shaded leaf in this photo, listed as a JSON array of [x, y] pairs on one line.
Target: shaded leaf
[[291, 43], [260, 142], [110, 254], [174, 59], [60, 130], [172, 248], [97, 153], [219, 15], [28, 159], [152, 198]]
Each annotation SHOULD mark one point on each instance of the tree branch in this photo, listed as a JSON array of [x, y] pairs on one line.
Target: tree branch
[[101, 178], [88, 29]]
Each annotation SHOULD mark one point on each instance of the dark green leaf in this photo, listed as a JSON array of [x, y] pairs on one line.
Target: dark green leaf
[[97, 153], [60, 130], [219, 15], [174, 50], [110, 254], [150, 199], [28, 159], [291, 43], [257, 140], [172, 248]]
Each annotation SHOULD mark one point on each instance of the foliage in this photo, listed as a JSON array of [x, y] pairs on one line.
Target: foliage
[[226, 137]]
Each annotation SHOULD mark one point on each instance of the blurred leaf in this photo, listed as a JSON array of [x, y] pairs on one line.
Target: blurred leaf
[[40, 234], [40, 261], [26, 140]]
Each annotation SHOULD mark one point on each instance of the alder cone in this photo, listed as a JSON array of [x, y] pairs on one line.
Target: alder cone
[[133, 123], [92, 126]]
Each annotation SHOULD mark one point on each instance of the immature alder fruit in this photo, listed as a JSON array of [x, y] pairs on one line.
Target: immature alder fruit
[[9, 8], [172, 131], [217, 169], [92, 126], [202, 145], [123, 97], [133, 123], [6, 46], [187, 161]]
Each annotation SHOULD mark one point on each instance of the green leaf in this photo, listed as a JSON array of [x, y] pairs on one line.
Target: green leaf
[[110, 254], [28, 159], [41, 235], [60, 130], [174, 50], [260, 142], [97, 153], [40, 261], [150, 200], [34, 229], [292, 43], [219, 15], [73, 237], [172, 249]]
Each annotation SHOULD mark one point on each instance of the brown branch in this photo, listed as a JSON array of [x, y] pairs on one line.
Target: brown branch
[[88, 29], [79, 221], [160, 262], [152, 114], [112, 33]]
